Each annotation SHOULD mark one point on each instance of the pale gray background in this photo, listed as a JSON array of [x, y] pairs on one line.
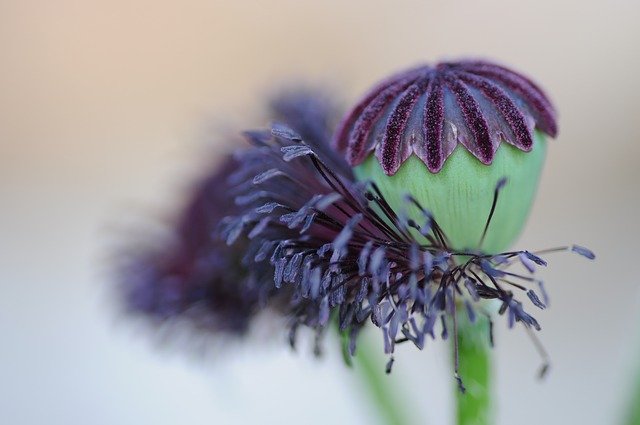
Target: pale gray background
[[105, 107]]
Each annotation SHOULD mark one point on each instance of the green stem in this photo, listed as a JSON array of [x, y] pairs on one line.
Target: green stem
[[370, 365], [474, 351], [633, 410], [633, 414]]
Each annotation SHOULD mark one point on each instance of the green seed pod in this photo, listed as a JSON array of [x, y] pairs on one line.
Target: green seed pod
[[437, 133]]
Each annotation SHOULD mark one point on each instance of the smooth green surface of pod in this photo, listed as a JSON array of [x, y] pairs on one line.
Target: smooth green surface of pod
[[461, 194]]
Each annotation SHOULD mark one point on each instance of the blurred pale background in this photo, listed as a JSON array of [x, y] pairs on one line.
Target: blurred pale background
[[105, 107]]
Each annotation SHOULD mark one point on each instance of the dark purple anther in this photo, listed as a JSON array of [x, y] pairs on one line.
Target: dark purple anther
[[585, 252]]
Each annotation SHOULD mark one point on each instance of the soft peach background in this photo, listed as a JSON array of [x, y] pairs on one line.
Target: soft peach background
[[105, 107]]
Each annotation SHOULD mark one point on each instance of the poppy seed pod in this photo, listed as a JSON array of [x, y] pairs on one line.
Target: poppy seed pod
[[437, 131]]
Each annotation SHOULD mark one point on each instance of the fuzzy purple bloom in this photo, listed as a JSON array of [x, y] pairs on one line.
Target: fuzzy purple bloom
[[193, 275], [428, 111]]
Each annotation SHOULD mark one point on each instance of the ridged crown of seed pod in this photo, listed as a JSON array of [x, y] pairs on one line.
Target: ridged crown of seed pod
[[428, 110]]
